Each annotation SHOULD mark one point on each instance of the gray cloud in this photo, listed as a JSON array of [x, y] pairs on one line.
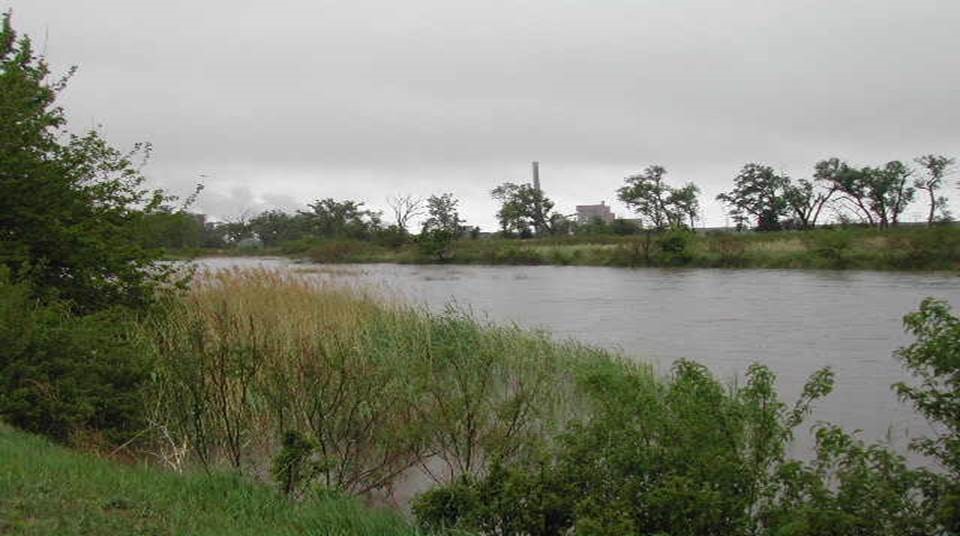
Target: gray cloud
[[283, 102]]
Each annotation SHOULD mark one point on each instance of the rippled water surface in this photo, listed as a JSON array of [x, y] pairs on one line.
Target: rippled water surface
[[794, 321]]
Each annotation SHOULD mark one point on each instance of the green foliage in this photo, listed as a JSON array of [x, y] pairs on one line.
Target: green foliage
[[659, 204], [522, 208], [760, 193], [376, 391], [934, 360], [442, 227], [290, 466], [46, 490], [675, 248], [850, 488], [70, 206], [274, 227], [64, 375], [172, 230], [329, 218], [833, 246], [681, 457], [936, 168]]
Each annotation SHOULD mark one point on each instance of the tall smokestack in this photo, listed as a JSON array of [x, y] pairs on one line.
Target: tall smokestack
[[536, 175]]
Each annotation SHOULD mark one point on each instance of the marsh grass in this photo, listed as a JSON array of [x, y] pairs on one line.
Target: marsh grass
[[382, 390]]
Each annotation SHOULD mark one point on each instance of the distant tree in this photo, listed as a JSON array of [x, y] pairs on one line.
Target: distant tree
[[758, 193], [71, 206], [442, 214], [173, 229], [683, 206], [646, 194], [891, 192], [623, 227], [879, 196], [329, 218], [658, 203], [805, 201], [274, 227], [936, 168], [405, 207], [522, 208], [442, 226]]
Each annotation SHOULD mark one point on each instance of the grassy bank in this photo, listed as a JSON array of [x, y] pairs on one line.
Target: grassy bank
[[906, 248], [46, 489], [316, 392]]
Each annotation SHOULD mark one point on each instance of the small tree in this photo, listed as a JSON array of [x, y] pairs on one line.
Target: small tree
[[329, 218], [805, 202], [657, 202], [522, 208], [273, 227], [759, 192], [442, 227], [937, 167], [879, 196]]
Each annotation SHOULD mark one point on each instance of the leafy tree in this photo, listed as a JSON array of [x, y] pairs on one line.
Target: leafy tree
[[442, 227], [806, 201], [937, 167], [934, 360], [330, 218], [879, 196], [759, 193], [172, 230], [274, 227], [684, 203], [71, 206], [522, 208], [657, 202]]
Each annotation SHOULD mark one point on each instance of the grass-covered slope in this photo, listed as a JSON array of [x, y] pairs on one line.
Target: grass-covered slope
[[46, 489]]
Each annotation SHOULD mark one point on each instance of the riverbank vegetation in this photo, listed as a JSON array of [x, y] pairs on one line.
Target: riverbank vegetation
[[322, 391], [903, 248], [266, 402]]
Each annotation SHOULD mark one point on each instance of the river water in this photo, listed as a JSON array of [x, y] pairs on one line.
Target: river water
[[791, 320]]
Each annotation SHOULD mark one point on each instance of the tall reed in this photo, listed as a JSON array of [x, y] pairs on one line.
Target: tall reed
[[381, 390]]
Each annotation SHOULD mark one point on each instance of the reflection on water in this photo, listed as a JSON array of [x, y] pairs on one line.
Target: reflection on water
[[794, 321]]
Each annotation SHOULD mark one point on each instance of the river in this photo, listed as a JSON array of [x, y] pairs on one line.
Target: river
[[794, 321]]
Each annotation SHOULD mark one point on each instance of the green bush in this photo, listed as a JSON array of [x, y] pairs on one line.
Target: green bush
[[833, 247], [692, 456], [63, 374], [674, 248], [334, 251]]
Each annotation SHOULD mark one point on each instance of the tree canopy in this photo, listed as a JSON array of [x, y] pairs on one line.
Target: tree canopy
[[657, 203], [523, 209], [70, 205]]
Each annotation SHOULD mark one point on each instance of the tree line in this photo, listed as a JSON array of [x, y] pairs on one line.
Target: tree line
[[761, 198]]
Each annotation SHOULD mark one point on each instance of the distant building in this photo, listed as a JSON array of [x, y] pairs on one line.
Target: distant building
[[589, 213]]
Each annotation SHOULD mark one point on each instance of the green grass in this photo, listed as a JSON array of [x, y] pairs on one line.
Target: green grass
[[46, 489], [903, 248]]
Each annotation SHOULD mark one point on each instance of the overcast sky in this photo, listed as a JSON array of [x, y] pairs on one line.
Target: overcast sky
[[279, 103]]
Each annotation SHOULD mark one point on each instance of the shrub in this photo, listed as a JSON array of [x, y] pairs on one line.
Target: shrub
[[64, 374], [833, 246], [334, 251], [674, 248]]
